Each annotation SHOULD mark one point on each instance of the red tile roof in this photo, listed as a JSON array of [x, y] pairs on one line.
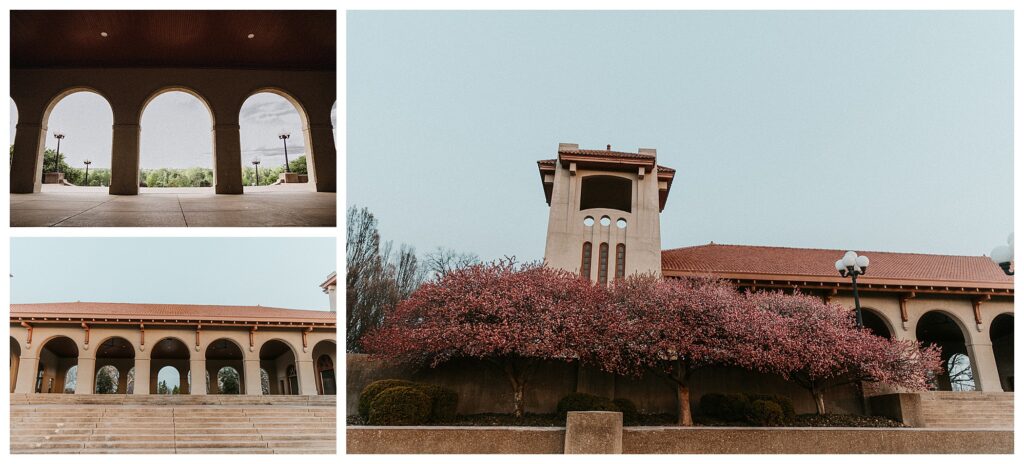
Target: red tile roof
[[170, 312], [817, 264], [609, 153]]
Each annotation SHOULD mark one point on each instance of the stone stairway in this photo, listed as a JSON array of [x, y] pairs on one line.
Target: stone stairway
[[102, 424], [967, 410]]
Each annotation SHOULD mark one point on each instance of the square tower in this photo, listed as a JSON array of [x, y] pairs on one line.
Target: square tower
[[605, 206]]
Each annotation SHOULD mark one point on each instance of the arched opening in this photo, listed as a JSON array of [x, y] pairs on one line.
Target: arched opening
[[107, 380], [119, 354], [224, 357], [276, 357], [941, 329], [324, 353], [1001, 333], [168, 367], [274, 141], [876, 323], [176, 146], [15, 362], [78, 141], [56, 357], [608, 192]]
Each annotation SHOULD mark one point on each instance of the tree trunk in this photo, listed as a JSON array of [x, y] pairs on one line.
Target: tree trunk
[[517, 399], [685, 417], [819, 402]]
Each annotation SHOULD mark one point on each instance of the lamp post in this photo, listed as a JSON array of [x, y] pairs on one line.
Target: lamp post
[[87, 163], [256, 164], [853, 266], [284, 135], [59, 136], [1003, 255]]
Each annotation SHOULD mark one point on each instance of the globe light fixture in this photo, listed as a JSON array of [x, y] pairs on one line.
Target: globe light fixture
[[284, 135], [851, 265], [1003, 255]]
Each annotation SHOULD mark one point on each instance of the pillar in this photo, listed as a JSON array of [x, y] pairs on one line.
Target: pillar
[[253, 380], [307, 376], [15, 366], [27, 375], [983, 362], [323, 162], [85, 384], [124, 160], [142, 374], [227, 160], [198, 369], [27, 164], [593, 432], [122, 380]]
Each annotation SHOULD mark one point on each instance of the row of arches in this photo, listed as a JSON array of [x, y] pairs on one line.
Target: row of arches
[[170, 367]]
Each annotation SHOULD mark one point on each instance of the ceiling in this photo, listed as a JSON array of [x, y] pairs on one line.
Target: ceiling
[[284, 40]]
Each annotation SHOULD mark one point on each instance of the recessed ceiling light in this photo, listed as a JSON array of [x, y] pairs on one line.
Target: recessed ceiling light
[[103, 34], [251, 36]]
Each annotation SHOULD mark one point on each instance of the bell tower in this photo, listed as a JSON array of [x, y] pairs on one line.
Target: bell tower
[[604, 221]]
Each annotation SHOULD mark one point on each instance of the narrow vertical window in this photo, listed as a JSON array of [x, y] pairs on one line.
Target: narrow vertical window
[[585, 264], [620, 261], [602, 266]]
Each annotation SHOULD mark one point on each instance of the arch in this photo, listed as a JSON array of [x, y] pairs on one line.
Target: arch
[[602, 264], [221, 354], [181, 175], [949, 334], [607, 192], [275, 356], [175, 88], [118, 353], [324, 354], [168, 381], [15, 362], [108, 378], [586, 259], [1001, 334], [620, 261], [57, 355], [229, 381], [303, 126], [877, 323], [169, 352]]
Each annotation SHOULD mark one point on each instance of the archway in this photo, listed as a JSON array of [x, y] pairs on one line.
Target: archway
[[15, 362], [118, 354], [324, 353], [264, 117], [943, 330], [876, 323], [108, 379], [1001, 333], [176, 145], [277, 357], [56, 357], [169, 353], [79, 123], [225, 358]]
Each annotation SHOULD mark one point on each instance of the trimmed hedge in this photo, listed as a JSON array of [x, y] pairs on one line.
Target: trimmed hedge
[[756, 409], [788, 411], [627, 408], [443, 401], [375, 388], [765, 413], [400, 406], [728, 407], [584, 402]]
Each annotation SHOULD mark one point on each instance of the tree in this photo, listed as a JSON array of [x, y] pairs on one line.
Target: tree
[[442, 261], [161, 387], [227, 381], [105, 383], [506, 315]]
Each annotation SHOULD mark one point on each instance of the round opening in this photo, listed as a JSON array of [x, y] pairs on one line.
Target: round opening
[[605, 220], [588, 221], [621, 223]]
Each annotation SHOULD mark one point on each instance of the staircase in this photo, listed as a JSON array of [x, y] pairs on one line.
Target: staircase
[[103, 424], [967, 410]]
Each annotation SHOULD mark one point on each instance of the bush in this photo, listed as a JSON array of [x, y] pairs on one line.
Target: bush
[[727, 407], [627, 408], [400, 406], [584, 402], [788, 412], [765, 413], [375, 388], [443, 401]]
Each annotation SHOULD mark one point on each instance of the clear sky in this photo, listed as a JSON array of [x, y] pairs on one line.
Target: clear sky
[[859, 130], [278, 272], [175, 130]]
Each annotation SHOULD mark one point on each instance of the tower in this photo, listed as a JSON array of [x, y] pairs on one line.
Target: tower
[[604, 221]]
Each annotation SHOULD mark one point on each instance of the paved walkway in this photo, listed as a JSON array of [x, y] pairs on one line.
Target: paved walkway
[[269, 206]]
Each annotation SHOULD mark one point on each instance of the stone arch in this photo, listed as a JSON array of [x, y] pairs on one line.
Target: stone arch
[[176, 88], [1001, 334], [304, 121], [119, 353], [48, 111], [601, 191], [56, 356], [113, 374], [144, 135], [15, 362], [173, 352], [324, 363], [877, 322], [276, 355], [946, 330], [225, 353]]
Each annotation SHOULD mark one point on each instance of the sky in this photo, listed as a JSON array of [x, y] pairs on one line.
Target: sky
[[871, 131], [276, 272], [176, 130]]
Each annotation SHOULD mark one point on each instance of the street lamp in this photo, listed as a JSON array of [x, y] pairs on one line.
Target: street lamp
[[284, 139], [1003, 255], [256, 164], [87, 163], [853, 266], [59, 136]]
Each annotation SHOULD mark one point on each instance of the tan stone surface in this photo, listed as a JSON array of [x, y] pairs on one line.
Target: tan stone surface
[[454, 440], [593, 432]]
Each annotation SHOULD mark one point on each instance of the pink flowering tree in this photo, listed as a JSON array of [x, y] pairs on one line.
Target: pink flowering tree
[[824, 349], [509, 316]]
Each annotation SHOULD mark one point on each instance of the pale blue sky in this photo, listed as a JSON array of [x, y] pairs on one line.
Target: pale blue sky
[[858, 130], [279, 272]]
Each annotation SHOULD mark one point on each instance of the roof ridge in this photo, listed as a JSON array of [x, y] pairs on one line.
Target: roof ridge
[[822, 249], [162, 304]]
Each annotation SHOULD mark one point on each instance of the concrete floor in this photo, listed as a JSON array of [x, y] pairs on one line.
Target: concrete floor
[[269, 206]]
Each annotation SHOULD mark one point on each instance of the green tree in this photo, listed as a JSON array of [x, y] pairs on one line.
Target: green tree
[[161, 387], [227, 381], [105, 383], [176, 390]]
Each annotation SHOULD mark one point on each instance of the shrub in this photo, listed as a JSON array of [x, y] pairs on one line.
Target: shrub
[[627, 408], [443, 401], [728, 407], [765, 413], [373, 389], [584, 402], [788, 411], [400, 406]]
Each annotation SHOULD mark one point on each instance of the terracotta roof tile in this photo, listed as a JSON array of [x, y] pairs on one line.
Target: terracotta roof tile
[[743, 259], [616, 154], [170, 312]]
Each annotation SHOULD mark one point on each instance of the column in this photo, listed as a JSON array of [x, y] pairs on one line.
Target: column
[[198, 369], [323, 164], [27, 164], [122, 380], [253, 380], [142, 373], [983, 362], [227, 160], [124, 160], [27, 375], [86, 382], [15, 366], [307, 377]]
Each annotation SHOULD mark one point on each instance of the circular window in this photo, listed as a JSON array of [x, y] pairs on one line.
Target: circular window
[[588, 221], [621, 223], [605, 220]]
